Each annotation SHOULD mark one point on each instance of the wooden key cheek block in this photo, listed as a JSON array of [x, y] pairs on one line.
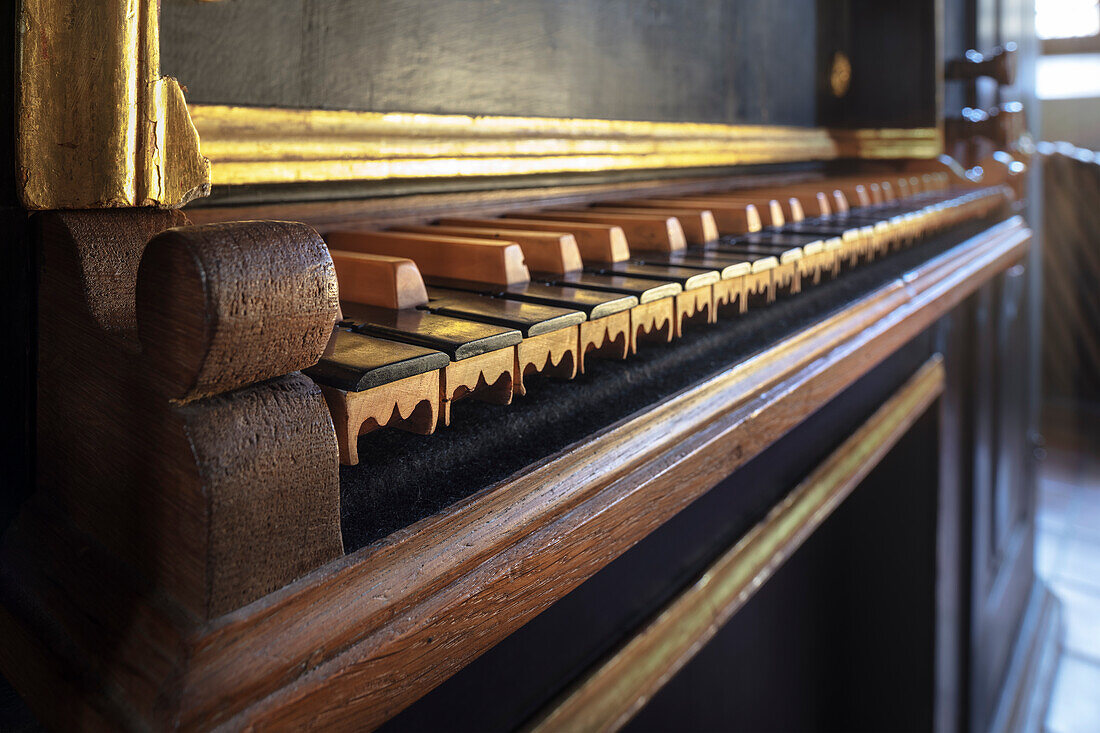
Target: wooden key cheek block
[[179, 435]]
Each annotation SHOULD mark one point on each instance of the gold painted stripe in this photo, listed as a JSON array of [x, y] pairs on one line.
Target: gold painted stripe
[[620, 686], [249, 145]]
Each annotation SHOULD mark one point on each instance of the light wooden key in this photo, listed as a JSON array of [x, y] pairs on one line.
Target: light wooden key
[[653, 233], [460, 258], [783, 202], [603, 245], [769, 209], [789, 269], [650, 232], [730, 218], [596, 242], [698, 225], [552, 255], [551, 334], [482, 356], [542, 251], [370, 383], [660, 234]]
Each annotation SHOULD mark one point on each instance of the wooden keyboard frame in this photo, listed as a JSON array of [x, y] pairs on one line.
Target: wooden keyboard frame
[[354, 641]]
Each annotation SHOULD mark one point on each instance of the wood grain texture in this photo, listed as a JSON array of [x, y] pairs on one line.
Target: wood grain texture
[[378, 280], [729, 218], [606, 698], [551, 354], [596, 241], [270, 490], [485, 260], [551, 252], [351, 643], [221, 306], [653, 322], [203, 499], [695, 305], [698, 225], [489, 377], [411, 403], [454, 584], [109, 252], [651, 233], [608, 338]]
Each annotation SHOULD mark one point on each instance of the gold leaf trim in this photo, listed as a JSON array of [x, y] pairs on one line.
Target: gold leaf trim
[[252, 145]]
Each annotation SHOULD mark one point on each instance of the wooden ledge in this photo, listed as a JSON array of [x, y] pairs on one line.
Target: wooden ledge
[[356, 641]]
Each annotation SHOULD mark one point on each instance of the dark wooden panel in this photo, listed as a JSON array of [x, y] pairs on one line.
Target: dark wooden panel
[[893, 64], [611, 606], [841, 637], [662, 60]]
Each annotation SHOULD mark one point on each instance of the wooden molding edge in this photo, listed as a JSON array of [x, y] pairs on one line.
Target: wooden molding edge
[[250, 145], [889, 143], [397, 618], [620, 686], [97, 125]]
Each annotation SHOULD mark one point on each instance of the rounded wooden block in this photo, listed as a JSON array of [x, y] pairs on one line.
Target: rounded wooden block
[[221, 306]]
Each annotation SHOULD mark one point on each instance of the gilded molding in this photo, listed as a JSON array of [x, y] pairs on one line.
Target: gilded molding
[[250, 145], [97, 126], [889, 143]]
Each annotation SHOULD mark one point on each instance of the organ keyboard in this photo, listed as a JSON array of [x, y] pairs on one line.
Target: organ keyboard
[[395, 370], [436, 312]]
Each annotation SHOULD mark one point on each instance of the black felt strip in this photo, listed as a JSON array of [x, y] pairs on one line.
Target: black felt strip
[[402, 478]]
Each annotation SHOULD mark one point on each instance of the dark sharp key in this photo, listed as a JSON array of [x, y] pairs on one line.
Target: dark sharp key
[[645, 290], [728, 265], [815, 229], [355, 362], [457, 337], [594, 303], [469, 286], [783, 252], [530, 319], [788, 241], [687, 277]]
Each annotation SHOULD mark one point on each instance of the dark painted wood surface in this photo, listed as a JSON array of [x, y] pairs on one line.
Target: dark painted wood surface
[[840, 638], [660, 60]]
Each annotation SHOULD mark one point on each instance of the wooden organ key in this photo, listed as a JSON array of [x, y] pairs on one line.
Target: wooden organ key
[[551, 333], [550, 256], [740, 274], [390, 363], [469, 306], [652, 233], [699, 225], [728, 218], [371, 383], [600, 246]]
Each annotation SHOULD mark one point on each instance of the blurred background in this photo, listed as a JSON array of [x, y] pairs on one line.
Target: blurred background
[[1067, 91]]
